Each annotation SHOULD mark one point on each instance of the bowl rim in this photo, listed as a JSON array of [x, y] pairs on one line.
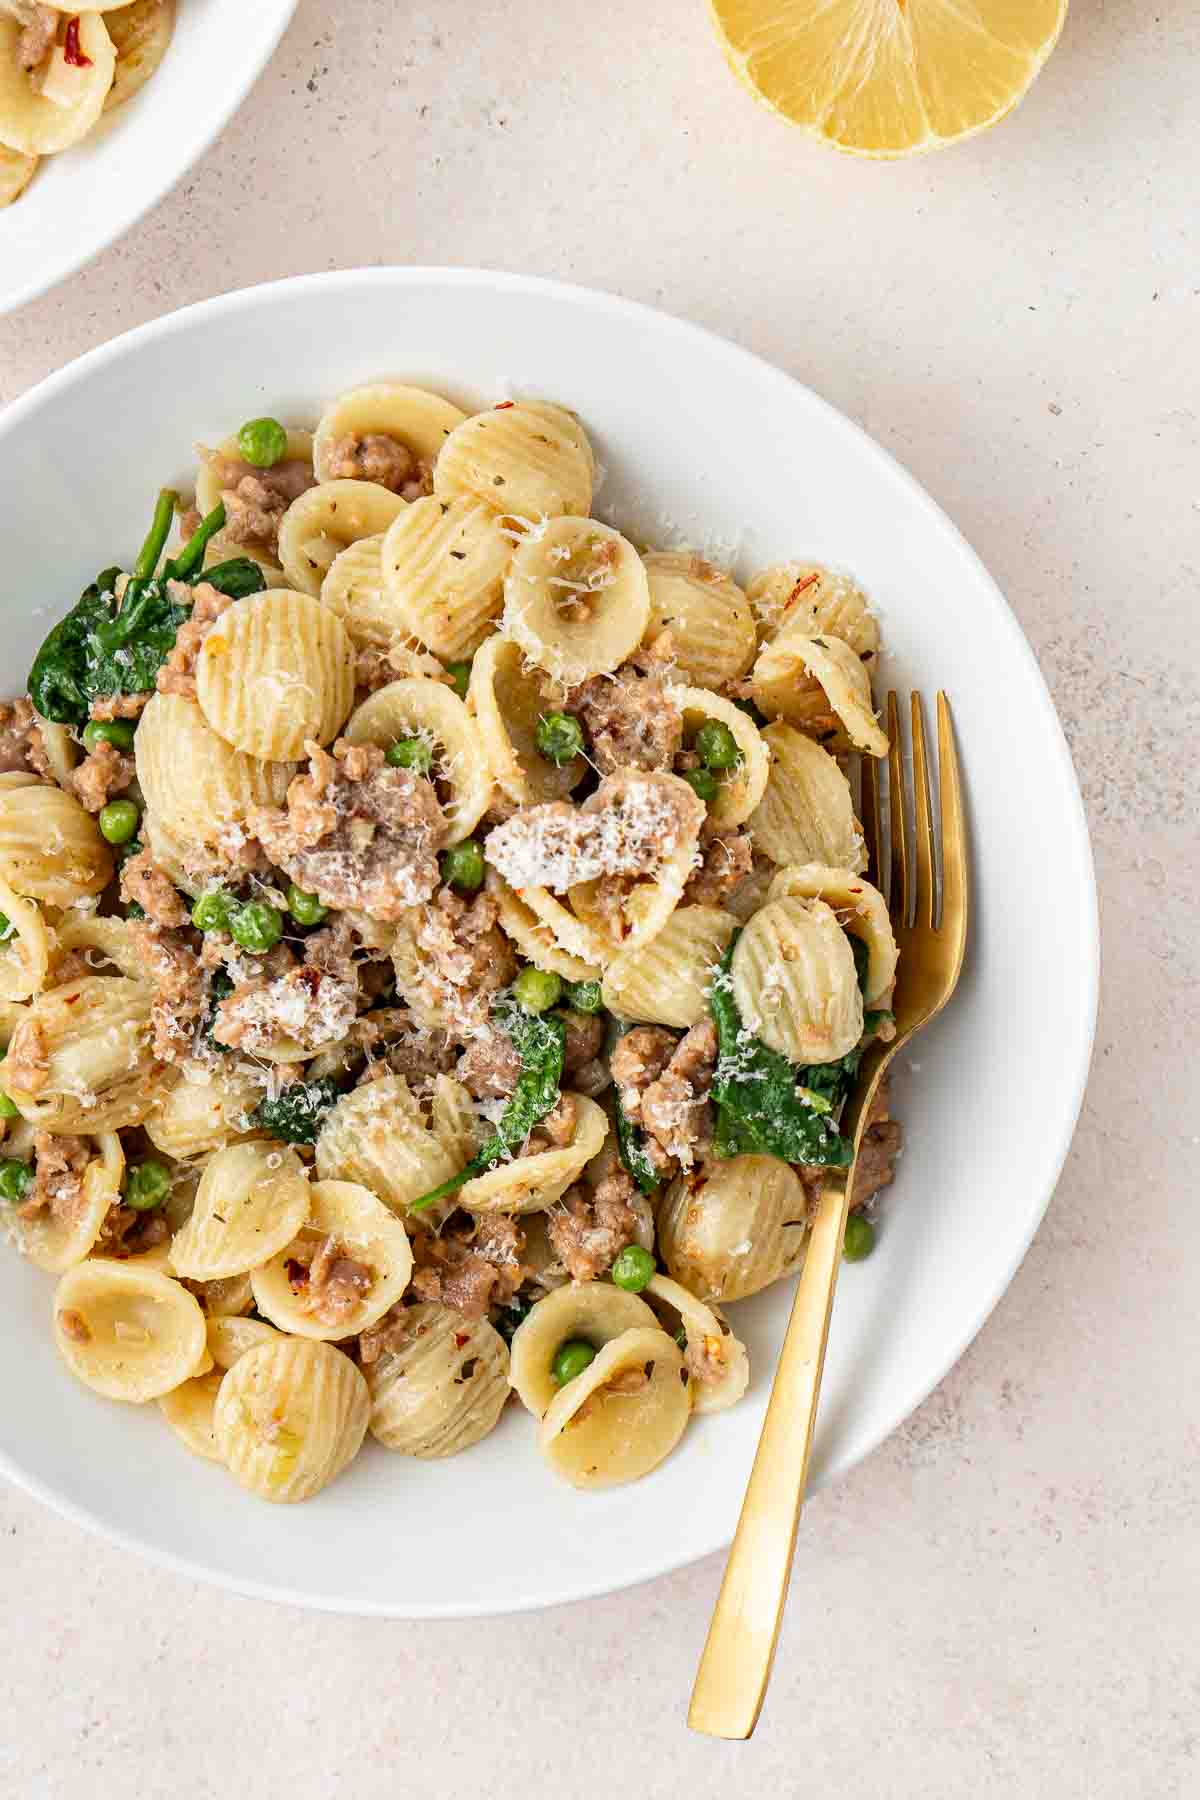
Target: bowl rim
[[125, 217], [1077, 854]]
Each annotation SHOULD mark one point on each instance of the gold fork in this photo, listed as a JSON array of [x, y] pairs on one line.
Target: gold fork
[[736, 1665]]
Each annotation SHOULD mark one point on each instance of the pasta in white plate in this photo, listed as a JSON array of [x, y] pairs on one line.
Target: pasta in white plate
[[435, 949]]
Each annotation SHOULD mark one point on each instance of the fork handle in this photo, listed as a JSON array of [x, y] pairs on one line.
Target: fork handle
[[736, 1664]]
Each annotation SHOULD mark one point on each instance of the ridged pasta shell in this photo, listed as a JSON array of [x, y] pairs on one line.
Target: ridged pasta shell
[[229, 1337], [251, 1201], [506, 699], [275, 670], [289, 1417], [730, 1228], [354, 589], [795, 984], [141, 34], [25, 952], [595, 1434], [57, 1240], [595, 1311], [666, 981], [443, 568], [779, 688], [189, 1410], [714, 1358], [192, 780], [534, 937], [376, 1136], [740, 788], [202, 1111], [830, 605], [443, 1389], [576, 599], [50, 848], [706, 613], [368, 1232], [16, 173], [418, 707], [529, 459], [806, 813], [323, 521], [128, 1332], [100, 1068], [67, 99], [414, 417], [531, 1183], [861, 910]]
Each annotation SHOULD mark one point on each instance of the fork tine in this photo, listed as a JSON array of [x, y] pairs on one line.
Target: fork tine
[[898, 891], [954, 837], [926, 883], [872, 821]]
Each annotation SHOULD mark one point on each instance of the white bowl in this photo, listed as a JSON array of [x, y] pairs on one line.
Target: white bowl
[[81, 200], [702, 441]]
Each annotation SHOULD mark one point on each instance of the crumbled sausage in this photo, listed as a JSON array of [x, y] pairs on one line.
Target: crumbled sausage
[[21, 746], [142, 880], [127, 1232], [103, 772], [357, 832], [177, 675], [464, 959], [180, 989], [588, 1231], [726, 861], [27, 1064], [639, 1058], [631, 719], [471, 1268], [39, 27], [674, 1107], [58, 1166], [255, 500], [333, 1285], [373, 456], [489, 1067], [584, 1041], [883, 1139], [557, 1129], [121, 706]]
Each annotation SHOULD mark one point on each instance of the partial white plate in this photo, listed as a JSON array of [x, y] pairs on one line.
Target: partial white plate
[[83, 199], [703, 442]]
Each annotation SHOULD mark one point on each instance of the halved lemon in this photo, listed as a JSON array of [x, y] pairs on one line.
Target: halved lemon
[[889, 77]]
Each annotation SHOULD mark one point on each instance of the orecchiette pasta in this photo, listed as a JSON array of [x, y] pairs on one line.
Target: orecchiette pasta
[[711, 625], [395, 1031], [528, 460], [289, 1416], [67, 97], [440, 1390], [622, 1416], [16, 172], [576, 599], [276, 670], [323, 521], [130, 1333], [141, 34]]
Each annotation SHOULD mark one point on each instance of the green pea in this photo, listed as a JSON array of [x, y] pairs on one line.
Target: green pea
[[262, 442], [462, 865], [633, 1268], [559, 737], [460, 674], [584, 996], [702, 783], [213, 910], [860, 1238], [146, 1186], [15, 1178], [535, 990], [117, 732], [571, 1359], [118, 821], [716, 745], [411, 753], [257, 927], [305, 908]]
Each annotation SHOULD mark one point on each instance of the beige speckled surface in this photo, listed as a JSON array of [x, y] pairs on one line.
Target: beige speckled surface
[[1003, 1599]]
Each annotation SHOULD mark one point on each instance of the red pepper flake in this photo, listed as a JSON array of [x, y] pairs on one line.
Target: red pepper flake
[[297, 1273], [503, 405], [72, 48], [801, 585], [72, 999], [461, 1338]]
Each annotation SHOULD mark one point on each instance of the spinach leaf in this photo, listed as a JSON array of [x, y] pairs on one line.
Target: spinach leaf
[[759, 1111], [219, 988], [298, 1113], [631, 1149], [101, 648], [539, 1040]]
